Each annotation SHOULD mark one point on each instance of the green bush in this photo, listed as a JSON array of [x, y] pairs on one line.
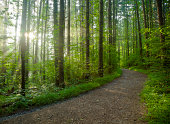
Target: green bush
[[156, 96], [51, 96]]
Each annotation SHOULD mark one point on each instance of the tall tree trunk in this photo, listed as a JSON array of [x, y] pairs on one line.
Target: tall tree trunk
[[76, 26], [56, 27], [42, 36], [4, 47], [44, 45], [87, 40], [162, 36], [110, 34], [127, 33], [101, 23], [68, 39], [150, 15], [33, 45], [28, 39], [92, 32], [136, 48], [114, 39], [23, 44], [133, 34], [16, 30], [146, 27], [61, 44], [139, 30], [38, 25]]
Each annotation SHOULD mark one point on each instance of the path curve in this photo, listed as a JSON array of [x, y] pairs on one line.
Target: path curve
[[115, 103]]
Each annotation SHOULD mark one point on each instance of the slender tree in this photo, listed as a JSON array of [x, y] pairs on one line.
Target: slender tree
[[55, 34], [101, 23], [44, 45], [161, 26], [28, 38], [4, 46], [87, 39], [139, 30], [68, 39], [61, 44], [23, 44], [110, 34], [16, 33], [38, 25], [146, 26]]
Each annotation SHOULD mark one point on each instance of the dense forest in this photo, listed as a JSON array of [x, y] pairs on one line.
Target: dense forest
[[50, 46]]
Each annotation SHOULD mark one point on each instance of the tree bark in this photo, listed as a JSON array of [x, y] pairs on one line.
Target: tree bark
[[139, 30], [56, 27], [162, 36], [28, 39], [146, 27], [23, 44], [61, 44], [68, 39], [100, 70], [110, 34], [38, 25], [87, 40], [44, 45]]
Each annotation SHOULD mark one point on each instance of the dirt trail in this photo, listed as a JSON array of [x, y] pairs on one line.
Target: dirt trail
[[115, 103]]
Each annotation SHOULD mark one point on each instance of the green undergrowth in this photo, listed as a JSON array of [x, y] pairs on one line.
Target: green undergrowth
[[48, 97], [156, 96]]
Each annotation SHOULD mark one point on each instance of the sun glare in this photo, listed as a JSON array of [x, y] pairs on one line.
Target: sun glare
[[30, 35]]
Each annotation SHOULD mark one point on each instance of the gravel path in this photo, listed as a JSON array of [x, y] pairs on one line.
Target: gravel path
[[115, 103]]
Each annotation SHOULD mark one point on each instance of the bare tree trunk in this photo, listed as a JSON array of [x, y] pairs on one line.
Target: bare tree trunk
[[61, 44], [38, 25], [139, 30], [42, 36], [127, 34], [162, 36], [87, 40], [16, 30], [101, 40], [110, 34], [68, 39], [23, 44], [56, 27], [4, 48], [146, 27], [28, 40], [44, 45]]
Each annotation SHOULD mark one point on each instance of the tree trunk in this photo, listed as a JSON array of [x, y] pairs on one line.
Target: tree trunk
[[110, 34], [139, 30], [68, 39], [23, 44], [28, 39], [4, 47], [87, 40], [146, 28], [101, 40], [44, 45], [55, 15], [38, 25], [162, 36], [61, 44], [127, 33], [16, 29]]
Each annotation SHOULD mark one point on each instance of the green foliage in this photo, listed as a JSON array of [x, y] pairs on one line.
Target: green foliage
[[156, 96], [55, 95]]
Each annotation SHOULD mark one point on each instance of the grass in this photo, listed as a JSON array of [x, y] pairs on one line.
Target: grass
[[156, 96], [25, 103]]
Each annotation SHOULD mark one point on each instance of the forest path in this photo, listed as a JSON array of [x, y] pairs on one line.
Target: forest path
[[117, 102]]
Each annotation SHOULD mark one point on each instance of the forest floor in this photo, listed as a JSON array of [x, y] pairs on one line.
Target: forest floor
[[117, 102]]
